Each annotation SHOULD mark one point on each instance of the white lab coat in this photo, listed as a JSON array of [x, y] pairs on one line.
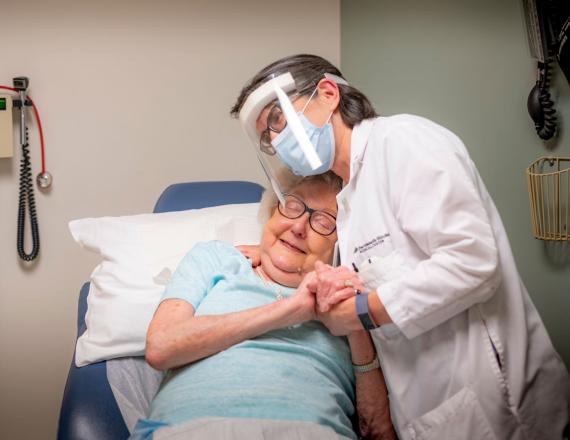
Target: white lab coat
[[468, 356]]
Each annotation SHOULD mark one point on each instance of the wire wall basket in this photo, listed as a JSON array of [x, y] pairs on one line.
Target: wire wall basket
[[549, 195]]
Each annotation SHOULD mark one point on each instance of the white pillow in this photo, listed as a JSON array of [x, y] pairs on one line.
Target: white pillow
[[139, 254]]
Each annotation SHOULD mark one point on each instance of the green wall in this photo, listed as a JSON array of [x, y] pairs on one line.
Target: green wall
[[466, 65]]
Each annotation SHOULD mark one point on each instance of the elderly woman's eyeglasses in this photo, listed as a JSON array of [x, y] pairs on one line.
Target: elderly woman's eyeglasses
[[321, 222]]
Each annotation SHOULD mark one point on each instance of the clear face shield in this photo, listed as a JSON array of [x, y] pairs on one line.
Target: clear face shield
[[275, 96]]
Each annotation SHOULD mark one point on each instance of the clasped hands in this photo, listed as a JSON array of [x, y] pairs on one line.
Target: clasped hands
[[330, 292], [335, 289]]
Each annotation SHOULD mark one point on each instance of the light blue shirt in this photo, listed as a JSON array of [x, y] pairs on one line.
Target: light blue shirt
[[298, 373]]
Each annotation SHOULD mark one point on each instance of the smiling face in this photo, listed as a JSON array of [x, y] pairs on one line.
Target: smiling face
[[289, 247]]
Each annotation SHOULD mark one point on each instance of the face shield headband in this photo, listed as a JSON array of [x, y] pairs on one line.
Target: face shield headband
[[278, 89]]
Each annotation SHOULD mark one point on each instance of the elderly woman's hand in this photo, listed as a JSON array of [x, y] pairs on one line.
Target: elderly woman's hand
[[304, 298], [334, 284]]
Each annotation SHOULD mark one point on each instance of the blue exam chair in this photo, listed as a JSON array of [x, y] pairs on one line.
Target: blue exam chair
[[88, 409]]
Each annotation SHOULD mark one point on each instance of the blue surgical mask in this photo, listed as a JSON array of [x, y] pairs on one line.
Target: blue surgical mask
[[291, 153]]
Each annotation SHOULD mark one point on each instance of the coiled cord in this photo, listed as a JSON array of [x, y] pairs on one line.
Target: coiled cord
[[540, 105], [26, 197]]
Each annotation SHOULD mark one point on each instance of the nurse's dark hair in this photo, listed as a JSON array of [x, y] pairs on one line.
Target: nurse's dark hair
[[308, 70]]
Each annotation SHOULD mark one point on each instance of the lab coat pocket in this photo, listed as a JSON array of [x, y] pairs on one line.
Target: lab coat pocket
[[378, 270], [495, 352], [459, 417]]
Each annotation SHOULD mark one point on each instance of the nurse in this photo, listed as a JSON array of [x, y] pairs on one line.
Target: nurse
[[463, 350]]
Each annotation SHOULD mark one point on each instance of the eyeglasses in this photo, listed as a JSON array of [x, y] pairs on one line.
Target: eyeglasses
[[321, 222], [276, 122]]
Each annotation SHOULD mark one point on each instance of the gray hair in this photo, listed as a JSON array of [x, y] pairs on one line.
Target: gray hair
[[308, 70], [269, 199]]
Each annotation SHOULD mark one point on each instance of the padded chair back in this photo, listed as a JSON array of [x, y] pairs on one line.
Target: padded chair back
[[195, 195]]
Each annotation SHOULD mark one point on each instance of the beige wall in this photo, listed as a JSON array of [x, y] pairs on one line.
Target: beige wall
[[134, 95]]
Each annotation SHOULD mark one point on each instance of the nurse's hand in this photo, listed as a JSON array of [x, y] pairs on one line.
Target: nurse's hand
[[341, 319], [251, 252], [335, 284]]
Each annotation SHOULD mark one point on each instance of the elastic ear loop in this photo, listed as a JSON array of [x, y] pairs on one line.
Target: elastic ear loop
[[309, 100], [307, 103]]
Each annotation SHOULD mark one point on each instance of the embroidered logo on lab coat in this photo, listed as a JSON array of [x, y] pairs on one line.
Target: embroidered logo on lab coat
[[371, 244]]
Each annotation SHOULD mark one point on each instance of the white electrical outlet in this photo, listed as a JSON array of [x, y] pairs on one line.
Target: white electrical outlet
[[6, 127]]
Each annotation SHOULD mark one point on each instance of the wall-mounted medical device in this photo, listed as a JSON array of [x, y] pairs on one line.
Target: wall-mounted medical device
[[6, 137], [548, 30], [20, 103]]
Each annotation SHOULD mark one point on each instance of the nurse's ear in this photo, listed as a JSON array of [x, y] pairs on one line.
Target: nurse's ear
[[328, 94]]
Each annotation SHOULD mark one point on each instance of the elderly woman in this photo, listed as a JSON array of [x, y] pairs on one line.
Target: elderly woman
[[244, 354]]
